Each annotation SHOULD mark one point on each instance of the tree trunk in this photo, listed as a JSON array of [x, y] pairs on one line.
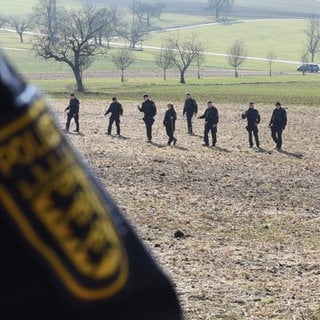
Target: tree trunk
[[236, 72], [132, 44], [21, 37], [78, 76], [164, 74], [122, 75], [217, 13], [312, 56], [182, 80]]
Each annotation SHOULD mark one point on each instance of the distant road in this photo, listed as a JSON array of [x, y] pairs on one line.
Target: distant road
[[183, 28], [211, 53]]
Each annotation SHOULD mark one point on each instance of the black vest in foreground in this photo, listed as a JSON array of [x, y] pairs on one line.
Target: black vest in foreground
[[66, 250]]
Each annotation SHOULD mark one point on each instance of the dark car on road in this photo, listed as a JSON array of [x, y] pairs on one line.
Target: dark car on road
[[309, 67]]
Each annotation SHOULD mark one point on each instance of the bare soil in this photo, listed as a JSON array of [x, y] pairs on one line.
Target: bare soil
[[250, 217]]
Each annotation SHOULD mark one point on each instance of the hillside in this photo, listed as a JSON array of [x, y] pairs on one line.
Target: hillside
[[242, 8]]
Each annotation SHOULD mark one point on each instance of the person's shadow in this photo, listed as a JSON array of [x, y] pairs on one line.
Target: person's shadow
[[75, 133], [287, 153], [180, 148], [292, 154], [221, 149], [116, 136], [158, 145], [263, 150], [196, 135], [122, 137], [164, 145]]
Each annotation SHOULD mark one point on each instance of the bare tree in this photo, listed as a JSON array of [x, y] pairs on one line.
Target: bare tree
[[313, 35], [122, 59], [304, 59], [164, 60], [112, 19], [137, 32], [236, 55], [47, 14], [159, 9], [270, 56], [75, 43], [219, 6], [199, 60], [3, 21], [20, 24], [184, 52], [146, 11]]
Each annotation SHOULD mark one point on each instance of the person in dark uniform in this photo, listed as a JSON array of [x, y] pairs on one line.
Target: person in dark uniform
[[169, 122], [116, 111], [190, 108], [211, 117], [149, 109], [253, 117], [73, 108], [277, 124]]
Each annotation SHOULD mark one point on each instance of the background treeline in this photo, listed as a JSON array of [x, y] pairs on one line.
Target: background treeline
[[240, 8]]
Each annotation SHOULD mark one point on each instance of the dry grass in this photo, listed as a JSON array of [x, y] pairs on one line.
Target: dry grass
[[250, 218]]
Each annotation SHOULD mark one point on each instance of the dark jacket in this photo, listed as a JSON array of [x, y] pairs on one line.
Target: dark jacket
[[115, 109], [170, 118], [278, 118], [252, 116], [149, 109], [73, 106], [211, 116], [190, 106]]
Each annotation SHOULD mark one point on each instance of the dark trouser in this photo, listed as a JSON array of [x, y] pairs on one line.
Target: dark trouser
[[253, 130], [170, 131], [149, 123], [207, 128], [276, 134], [76, 120], [117, 121], [189, 122]]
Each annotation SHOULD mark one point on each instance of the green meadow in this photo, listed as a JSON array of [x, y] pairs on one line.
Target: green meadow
[[285, 38]]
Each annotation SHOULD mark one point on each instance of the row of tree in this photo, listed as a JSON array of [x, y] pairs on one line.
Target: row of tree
[[77, 36]]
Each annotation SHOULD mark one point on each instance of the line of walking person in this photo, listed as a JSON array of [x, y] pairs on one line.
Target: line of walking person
[[277, 122]]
